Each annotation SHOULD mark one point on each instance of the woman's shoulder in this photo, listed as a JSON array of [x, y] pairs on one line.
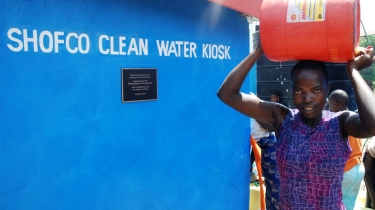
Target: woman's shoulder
[[334, 121], [328, 115], [339, 117], [292, 114], [291, 118]]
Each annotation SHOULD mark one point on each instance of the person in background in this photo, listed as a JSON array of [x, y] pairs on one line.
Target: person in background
[[311, 147], [354, 170], [275, 97], [266, 140], [369, 163]]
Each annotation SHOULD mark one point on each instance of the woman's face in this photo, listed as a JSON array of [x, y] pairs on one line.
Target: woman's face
[[309, 92]]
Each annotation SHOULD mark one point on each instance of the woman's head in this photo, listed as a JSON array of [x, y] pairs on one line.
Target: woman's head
[[310, 88], [311, 64]]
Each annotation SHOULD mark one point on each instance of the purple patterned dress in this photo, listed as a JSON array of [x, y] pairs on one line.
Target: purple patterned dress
[[311, 163]]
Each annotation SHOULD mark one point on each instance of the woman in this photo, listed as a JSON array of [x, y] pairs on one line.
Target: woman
[[311, 143]]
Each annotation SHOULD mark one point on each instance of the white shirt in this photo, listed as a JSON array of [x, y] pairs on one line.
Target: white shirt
[[257, 131]]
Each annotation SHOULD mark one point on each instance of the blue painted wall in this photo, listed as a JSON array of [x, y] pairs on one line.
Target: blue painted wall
[[67, 141]]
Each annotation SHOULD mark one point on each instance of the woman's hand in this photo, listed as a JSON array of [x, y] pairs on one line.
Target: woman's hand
[[258, 45], [362, 60]]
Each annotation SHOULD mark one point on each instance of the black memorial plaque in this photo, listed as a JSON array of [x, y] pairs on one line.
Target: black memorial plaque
[[139, 85]]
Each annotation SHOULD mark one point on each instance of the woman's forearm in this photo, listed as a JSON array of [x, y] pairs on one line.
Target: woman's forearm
[[365, 98], [233, 82]]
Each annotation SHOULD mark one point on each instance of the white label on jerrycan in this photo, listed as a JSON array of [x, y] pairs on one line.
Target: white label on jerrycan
[[306, 11]]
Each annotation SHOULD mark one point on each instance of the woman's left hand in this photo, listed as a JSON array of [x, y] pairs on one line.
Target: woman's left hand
[[362, 60]]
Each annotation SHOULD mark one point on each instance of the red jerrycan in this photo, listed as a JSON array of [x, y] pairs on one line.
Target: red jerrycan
[[324, 30]]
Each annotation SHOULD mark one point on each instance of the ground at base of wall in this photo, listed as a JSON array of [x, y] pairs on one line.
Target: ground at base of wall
[[255, 199]]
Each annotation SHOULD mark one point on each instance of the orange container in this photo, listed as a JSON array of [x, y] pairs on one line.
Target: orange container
[[324, 30]]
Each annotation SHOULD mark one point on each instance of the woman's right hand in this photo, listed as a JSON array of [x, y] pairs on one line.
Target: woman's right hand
[[258, 46]]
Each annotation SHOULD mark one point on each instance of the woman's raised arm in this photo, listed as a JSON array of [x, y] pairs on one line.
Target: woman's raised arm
[[362, 124], [249, 104]]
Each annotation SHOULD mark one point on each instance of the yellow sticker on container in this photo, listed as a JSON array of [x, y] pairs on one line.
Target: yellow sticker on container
[[306, 11]]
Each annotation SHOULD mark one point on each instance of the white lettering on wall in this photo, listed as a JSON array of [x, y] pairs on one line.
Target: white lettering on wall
[[117, 46], [80, 45], [193, 47], [143, 46], [46, 41], [57, 40], [31, 40], [101, 49], [49, 41], [112, 46], [121, 40], [162, 48], [68, 46], [214, 51], [133, 47], [19, 42], [177, 48]]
